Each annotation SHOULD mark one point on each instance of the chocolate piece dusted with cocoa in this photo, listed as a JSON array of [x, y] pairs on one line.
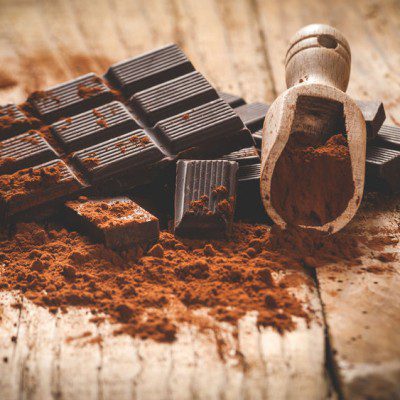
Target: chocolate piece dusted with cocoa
[[374, 115], [207, 131], [205, 196], [252, 115], [133, 154], [93, 126], [231, 99], [13, 121], [117, 222], [389, 137], [24, 151], [149, 69], [383, 169], [246, 156], [72, 97], [172, 97], [35, 186]]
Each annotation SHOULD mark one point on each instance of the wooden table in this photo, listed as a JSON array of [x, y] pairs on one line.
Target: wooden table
[[352, 348]]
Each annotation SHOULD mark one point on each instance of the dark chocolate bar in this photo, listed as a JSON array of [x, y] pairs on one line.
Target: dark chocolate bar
[[13, 121], [150, 69], [231, 99], [31, 187], [252, 115], [244, 156], [204, 131], [133, 153], [118, 222], [69, 98], [205, 196], [257, 136], [374, 115], [93, 126], [389, 136], [383, 169], [172, 97], [24, 151]]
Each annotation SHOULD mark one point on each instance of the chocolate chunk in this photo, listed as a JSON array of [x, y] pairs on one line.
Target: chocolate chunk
[[24, 151], [132, 153], [12, 121], [149, 69], [374, 115], [383, 169], [208, 130], [118, 222], [245, 156], [257, 136], [172, 97], [231, 99], [252, 115], [69, 98], [93, 126], [205, 197], [389, 136], [36, 186]]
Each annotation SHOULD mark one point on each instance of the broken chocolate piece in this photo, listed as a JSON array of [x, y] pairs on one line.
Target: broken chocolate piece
[[383, 169], [149, 69], [118, 222], [24, 151], [205, 197], [34, 186], [374, 115], [207, 130], [389, 136], [12, 121], [252, 115], [231, 99], [69, 98], [93, 126], [172, 97]]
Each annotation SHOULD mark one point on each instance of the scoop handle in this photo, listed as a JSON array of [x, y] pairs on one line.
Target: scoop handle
[[318, 54]]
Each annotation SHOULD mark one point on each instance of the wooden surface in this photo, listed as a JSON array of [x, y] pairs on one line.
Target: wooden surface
[[240, 46]]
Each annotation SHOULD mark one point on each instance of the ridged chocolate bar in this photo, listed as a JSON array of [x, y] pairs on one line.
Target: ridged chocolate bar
[[257, 136], [389, 136], [206, 130], [118, 222], [27, 188], [231, 99], [12, 121], [72, 97], [374, 115], [252, 115], [24, 151], [146, 70], [93, 126], [132, 153], [245, 156], [205, 196], [172, 97], [383, 168]]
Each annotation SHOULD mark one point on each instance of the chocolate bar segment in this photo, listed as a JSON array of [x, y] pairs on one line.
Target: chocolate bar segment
[[118, 222], [246, 156], [24, 151], [252, 115], [132, 153], [36, 186], [13, 121], [69, 98], [231, 99], [389, 136], [205, 196], [374, 115], [206, 131], [257, 136], [172, 97], [383, 169], [149, 69], [93, 126]]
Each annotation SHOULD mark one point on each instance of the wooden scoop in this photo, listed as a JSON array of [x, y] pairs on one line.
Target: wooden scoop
[[317, 75]]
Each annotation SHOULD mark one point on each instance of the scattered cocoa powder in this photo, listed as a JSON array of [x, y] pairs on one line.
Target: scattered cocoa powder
[[312, 185]]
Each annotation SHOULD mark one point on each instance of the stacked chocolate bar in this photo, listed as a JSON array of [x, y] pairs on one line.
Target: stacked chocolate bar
[[106, 135]]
